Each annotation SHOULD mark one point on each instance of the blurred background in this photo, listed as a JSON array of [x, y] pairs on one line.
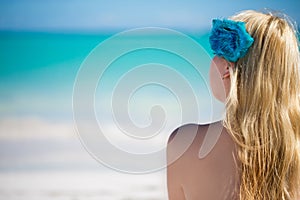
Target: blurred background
[[42, 45]]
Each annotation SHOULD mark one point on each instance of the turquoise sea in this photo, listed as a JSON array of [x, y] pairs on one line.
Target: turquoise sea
[[36, 67]]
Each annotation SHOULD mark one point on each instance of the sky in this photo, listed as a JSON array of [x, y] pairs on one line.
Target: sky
[[99, 15]]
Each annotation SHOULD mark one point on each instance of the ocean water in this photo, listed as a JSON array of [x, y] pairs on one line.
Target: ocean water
[[41, 156], [36, 67]]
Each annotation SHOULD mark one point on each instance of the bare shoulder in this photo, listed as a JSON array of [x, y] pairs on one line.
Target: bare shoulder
[[188, 129], [202, 177], [191, 138]]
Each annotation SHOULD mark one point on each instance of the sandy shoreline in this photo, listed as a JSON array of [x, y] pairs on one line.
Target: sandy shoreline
[[78, 185]]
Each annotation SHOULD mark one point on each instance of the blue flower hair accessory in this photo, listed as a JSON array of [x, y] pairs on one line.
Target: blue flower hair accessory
[[230, 39]]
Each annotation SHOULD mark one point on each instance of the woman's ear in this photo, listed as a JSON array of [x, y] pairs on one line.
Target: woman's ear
[[226, 73], [220, 77]]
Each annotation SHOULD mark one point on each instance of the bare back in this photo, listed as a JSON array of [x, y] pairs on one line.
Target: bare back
[[213, 177]]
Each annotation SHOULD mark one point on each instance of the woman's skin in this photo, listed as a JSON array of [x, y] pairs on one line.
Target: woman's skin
[[213, 177]]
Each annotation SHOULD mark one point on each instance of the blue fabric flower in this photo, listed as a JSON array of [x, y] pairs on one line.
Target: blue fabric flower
[[230, 39]]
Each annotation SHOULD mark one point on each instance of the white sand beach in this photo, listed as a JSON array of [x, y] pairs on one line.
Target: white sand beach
[[81, 185]]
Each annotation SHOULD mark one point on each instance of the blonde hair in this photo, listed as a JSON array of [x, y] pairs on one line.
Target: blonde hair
[[263, 109]]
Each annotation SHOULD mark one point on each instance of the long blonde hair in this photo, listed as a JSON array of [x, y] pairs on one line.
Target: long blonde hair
[[263, 109]]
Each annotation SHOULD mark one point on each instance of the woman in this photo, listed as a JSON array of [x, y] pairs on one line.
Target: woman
[[256, 73]]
